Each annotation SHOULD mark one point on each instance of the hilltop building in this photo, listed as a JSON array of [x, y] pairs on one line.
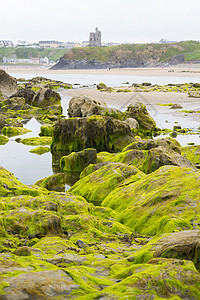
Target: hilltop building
[[4, 43], [95, 38], [49, 44]]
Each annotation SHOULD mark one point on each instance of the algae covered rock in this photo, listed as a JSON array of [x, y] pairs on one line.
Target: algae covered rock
[[192, 153], [96, 186], [3, 140], [133, 157], [139, 112], [35, 141], [10, 186], [84, 106], [40, 285], [78, 161], [156, 203], [58, 182], [161, 156], [46, 130], [13, 131], [46, 97], [150, 143], [180, 245], [101, 133], [26, 94], [40, 150], [158, 279]]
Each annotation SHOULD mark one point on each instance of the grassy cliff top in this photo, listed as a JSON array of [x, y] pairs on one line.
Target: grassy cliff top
[[52, 54], [161, 52]]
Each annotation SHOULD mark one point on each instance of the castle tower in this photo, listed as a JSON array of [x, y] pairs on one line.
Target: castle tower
[[95, 38]]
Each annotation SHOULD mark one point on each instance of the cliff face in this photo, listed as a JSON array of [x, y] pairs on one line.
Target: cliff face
[[129, 56], [96, 64]]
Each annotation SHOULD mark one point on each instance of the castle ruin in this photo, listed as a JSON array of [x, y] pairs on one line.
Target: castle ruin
[[95, 38]]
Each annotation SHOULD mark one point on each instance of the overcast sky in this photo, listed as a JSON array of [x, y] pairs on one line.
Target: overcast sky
[[119, 20]]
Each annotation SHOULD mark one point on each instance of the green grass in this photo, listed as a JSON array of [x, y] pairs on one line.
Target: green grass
[[52, 54], [138, 51]]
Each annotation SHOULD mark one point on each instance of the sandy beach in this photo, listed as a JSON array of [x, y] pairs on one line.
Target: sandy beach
[[175, 71]]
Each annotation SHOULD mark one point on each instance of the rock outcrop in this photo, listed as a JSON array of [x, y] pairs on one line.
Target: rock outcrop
[[8, 84], [97, 185], [156, 204], [101, 133], [85, 106], [139, 112]]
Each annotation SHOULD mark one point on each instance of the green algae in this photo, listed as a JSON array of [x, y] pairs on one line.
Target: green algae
[[156, 203], [40, 150], [13, 131], [96, 186], [78, 161], [192, 153], [35, 141], [3, 140], [46, 130]]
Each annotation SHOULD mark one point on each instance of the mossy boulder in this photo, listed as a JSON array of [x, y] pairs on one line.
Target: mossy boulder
[[39, 82], [46, 97], [46, 130], [139, 112], [150, 143], [43, 284], [84, 106], [162, 156], [96, 186], [35, 141], [133, 157], [13, 131], [78, 161], [40, 150], [180, 245], [15, 103], [157, 279], [26, 94], [156, 203], [10, 186], [192, 153], [3, 140], [101, 133]]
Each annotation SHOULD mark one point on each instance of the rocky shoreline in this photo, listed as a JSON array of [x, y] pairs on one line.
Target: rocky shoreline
[[128, 228]]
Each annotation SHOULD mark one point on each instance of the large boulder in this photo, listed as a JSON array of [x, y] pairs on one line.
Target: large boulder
[[150, 143], [15, 103], [139, 112], [101, 133], [8, 84], [84, 106], [26, 94], [161, 156], [97, 185], [164, 201], [46, 97], [181, 245]]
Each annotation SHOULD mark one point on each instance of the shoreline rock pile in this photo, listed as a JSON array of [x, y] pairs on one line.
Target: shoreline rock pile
[[129, 227]]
